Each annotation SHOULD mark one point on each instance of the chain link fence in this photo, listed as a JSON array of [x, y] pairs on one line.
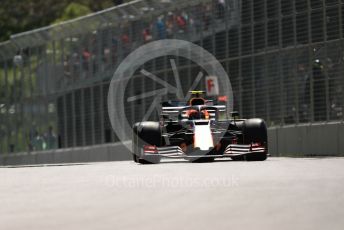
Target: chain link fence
[[284, 59]]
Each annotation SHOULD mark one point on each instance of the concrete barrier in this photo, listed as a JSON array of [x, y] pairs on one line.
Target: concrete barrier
[[340, 138], [107, 152], [319, 139]]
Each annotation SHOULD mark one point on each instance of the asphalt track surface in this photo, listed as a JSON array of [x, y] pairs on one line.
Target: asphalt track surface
[[280, 193]]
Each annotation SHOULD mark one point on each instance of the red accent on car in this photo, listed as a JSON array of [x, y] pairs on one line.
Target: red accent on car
[[150, 149], [255, 145], [222, 98]]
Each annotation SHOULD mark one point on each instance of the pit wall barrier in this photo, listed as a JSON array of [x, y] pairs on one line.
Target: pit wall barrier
[[306, 140]]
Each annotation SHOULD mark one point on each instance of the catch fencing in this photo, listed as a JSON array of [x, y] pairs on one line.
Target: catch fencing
[[284, 58]]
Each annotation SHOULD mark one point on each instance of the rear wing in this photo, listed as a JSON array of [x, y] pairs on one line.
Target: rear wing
[[176, 113]]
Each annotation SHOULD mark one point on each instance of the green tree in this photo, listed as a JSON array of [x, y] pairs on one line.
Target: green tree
[[73, 10], [18, 16]]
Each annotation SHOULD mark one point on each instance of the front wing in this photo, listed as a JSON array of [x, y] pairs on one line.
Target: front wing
[[231, 150]]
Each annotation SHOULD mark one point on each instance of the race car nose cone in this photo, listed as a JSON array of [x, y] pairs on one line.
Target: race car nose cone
[[203, 138]]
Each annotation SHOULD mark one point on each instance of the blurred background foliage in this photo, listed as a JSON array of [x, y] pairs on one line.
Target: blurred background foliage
[[18, 16]]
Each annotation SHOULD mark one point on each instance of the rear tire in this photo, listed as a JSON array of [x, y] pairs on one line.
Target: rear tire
[[146, 133]]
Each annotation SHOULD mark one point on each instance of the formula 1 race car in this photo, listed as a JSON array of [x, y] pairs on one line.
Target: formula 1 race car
[[199, 131]]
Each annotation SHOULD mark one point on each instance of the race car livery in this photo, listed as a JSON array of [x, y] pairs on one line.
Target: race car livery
[[199, 131]]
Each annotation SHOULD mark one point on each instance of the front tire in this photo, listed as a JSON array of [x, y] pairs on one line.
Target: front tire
[[254, 131], [146, 133]]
